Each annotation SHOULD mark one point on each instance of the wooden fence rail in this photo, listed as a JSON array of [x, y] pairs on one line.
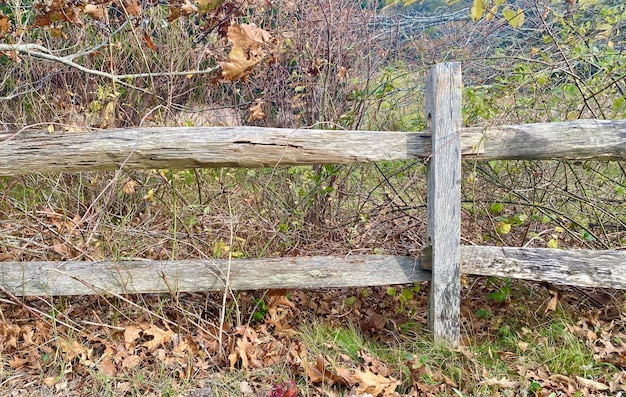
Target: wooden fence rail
[[206, 147], [24, 152], [584, 268]]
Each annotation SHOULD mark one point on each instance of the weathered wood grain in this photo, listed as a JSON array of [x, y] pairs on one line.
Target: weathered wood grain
[[583, 268], [201, 147], [129, 277], [205, 147], [443, 110], [568, 140]]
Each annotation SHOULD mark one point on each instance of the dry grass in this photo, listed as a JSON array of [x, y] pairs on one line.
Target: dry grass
[[519, 338]]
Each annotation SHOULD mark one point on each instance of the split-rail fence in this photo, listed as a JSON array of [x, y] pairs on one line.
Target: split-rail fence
[[444, 146]]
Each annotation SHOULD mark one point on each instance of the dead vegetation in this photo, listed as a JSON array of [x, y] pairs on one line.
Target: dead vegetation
[[519, 338]]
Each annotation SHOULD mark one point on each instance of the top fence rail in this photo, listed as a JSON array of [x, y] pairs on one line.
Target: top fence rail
[[25, 152]]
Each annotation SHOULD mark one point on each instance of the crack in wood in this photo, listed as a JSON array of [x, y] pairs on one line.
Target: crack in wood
[[281, 145]]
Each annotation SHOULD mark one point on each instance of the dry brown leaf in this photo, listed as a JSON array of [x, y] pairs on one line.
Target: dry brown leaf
[[131, 361], [50, 380], [374, 364], [592, 384], [523, 346], [314, 374], [255, 112], [160, 337], [107, 367], [5, 24], [95, 11], [553, 301], [502, 383], [75, 349], [149, 42], [342, 73], [247, 36], [174, 14], [18, 362], [131, 334], [188, 8], [369, 382], [133, 7], [238, 65], [129, 186]]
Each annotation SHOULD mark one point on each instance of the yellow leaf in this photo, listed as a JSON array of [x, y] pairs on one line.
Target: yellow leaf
[[476, 12], [503, 228], [149, 195], [553, 243], [493, 11]]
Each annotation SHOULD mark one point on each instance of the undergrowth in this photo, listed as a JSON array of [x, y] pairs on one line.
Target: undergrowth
[[518, 338]]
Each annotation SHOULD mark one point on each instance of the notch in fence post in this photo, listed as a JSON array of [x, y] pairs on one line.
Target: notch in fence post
[[443, 112]]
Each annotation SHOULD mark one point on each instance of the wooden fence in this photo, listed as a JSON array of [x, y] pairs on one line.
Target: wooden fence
[[442, 261]]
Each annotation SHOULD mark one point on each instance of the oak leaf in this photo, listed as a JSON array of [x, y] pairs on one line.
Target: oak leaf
[[369, 382], [255, 112], [131, 334], [160, 337]]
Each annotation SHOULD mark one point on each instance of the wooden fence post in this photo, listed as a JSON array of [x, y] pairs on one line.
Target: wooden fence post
[[443, 110]]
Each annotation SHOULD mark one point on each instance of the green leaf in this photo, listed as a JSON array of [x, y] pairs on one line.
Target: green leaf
[[498, 296], [496, 208], [514, 18]]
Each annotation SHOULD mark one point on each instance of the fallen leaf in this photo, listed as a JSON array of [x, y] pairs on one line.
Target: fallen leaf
[[133, 7], [160, 337], [553, 301], [95, 11], [131, 361], [107, 367], [129, 186], [149, 41], [188, 8], [244, 388], [208, 5], [131, 334], [592, 384], [368, 382], [50, 380], [5, 24]]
